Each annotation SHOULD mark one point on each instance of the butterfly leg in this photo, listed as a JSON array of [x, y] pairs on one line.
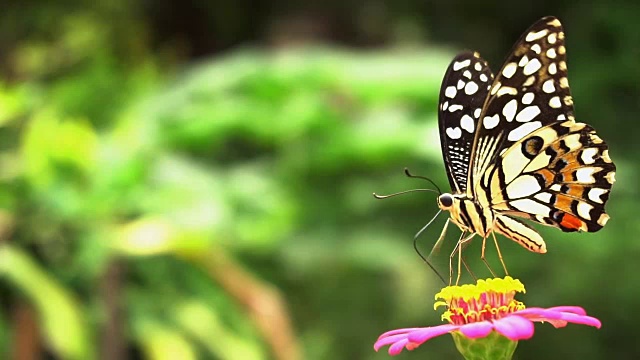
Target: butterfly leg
[[459, 246], [453, 253], [484, 260], [464, 262], [464, 242], [495, 241], [466, 266]]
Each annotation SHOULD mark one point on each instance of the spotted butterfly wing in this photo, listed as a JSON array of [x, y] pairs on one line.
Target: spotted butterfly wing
[[529, 158], [465, 86], [563, 176], [547, 167], [530, 91]]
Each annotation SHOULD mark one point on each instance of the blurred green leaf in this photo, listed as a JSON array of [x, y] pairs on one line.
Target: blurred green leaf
[[155, 236], [161, 342], [5, 336], [63, 323], [202, 323], [13, 102], [50, 141]]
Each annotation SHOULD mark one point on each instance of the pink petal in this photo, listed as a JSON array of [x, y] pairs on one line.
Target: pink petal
[[581, 319], [387, 340], [542, 315], [424, 334], [514, 327], [558, 318], [572, 309], [539, 314], [396, 348], [410, 338], [477, 330], [398, 331]]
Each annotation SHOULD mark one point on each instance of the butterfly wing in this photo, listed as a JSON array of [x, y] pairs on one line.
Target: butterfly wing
[[530, 91], [464, 89], [537, 162], [564, 178]]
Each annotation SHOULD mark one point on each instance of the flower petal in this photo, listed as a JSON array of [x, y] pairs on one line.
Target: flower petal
[[540, 314], [580, 319], [387, 340], [477, 330], [424, 334], [396, 348], [536, 312], [572, 309], [398, 331], [410, 338], [558, 318], [514, 327]]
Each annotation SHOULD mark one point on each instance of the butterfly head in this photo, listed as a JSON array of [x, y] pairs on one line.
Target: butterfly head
[[445, 201]]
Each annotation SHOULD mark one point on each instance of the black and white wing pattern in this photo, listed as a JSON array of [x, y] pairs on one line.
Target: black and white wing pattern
[[530, 91], [530, 158], [512, 147], [465, 86]]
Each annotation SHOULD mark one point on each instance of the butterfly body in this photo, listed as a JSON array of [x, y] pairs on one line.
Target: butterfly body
[[512, 148], [472, 218], [467, 214]]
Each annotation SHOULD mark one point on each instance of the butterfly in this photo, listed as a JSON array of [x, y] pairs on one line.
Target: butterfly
[[512, 148]]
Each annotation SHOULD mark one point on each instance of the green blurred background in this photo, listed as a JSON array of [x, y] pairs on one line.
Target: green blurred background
[[193, 179]]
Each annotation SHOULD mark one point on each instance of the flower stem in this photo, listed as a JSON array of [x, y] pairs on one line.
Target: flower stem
[[494, 346]]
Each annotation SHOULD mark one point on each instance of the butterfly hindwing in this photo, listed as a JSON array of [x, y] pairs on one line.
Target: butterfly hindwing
[[530, 91], [564, 178], [464, 89]]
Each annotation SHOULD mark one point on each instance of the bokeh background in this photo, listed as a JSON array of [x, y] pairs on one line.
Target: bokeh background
[[193, 179]]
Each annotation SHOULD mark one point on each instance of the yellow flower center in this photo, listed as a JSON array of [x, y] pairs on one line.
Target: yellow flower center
[[488, 299]]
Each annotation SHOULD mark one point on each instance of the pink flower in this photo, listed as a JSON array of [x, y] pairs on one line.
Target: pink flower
[[477, 311]]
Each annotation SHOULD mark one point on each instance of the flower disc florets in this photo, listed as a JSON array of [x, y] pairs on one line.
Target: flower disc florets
[[489, 299]]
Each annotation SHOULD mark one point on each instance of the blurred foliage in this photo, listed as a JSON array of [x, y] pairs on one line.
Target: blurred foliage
[[222, 208]]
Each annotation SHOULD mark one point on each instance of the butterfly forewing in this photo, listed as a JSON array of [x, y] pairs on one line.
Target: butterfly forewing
[[538, 163], [463, 92], [530, 91]]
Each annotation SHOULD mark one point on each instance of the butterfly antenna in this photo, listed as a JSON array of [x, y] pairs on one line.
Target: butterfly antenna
[[415, 238], [409, 174], [415, 247], [377, 196]]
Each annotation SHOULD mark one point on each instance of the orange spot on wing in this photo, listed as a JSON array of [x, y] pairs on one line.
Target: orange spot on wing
[[575, 190], [571, 222], [563, 202], [548, 176]]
